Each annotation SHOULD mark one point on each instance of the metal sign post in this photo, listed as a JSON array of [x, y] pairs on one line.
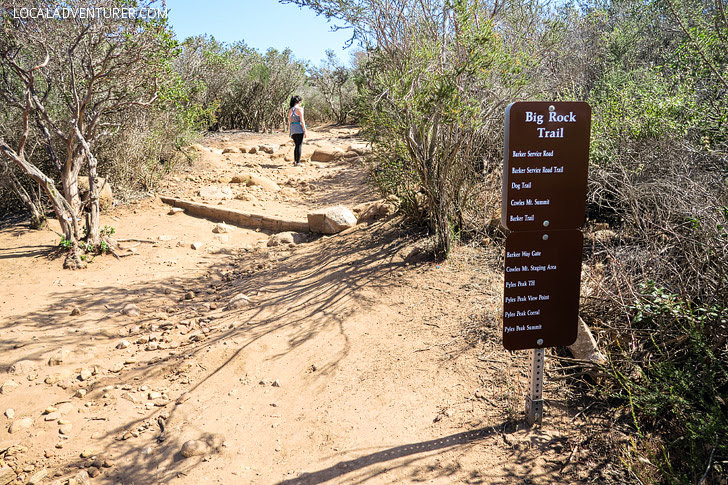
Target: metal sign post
[[534, 400], [545, 168]]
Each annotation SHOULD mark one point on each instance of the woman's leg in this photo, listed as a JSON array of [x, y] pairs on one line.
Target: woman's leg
[[298, 140]]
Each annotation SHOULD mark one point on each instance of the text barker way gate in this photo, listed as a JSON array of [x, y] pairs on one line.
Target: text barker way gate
[[546, 162]]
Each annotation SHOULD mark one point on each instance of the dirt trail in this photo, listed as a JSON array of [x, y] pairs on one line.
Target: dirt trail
[[355, 360]]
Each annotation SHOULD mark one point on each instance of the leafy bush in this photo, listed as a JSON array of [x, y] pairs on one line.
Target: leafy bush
[[676, 383]]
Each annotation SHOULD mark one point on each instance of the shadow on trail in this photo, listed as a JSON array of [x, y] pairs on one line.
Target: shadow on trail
[[367, 464], [307, 291]]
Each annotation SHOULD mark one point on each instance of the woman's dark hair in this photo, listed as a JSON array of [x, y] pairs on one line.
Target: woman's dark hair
[[295, 100]]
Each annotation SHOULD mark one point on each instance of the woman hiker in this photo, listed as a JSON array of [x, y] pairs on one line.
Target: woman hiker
[[298, 127]]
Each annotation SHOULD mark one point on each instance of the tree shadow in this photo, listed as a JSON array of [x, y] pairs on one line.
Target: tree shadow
[[373, 465], [304, 290]]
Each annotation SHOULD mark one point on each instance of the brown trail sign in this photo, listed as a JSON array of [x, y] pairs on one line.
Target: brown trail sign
[[546, 162], [544, 177], [541, 295]]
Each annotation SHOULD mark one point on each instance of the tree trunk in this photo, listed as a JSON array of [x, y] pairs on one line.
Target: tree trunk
[[34, 206], [60, 206], [92, 218], [69, 182]]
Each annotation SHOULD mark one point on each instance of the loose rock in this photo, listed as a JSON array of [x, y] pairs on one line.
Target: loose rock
[[7, 475], [38, 477], [216, 193], [241, 178], [10, 413], [222, 228], [263, 182], [371, 211], [131, 310], [59, 357], [327, 154], [196, 245], [19, 424], [81, 478], [238, 301], [195, 448], [65, 408], [283, 238], [269, 149], [106, 195], [8, 387], [124, 344], [331, 220], [23, 367]]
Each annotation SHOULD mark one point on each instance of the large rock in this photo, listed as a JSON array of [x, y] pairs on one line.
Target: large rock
[[331, 220], [230, 150], [216, 192], [585, 347], [371, 211], [327, 154], [106, 196], [264, 182]]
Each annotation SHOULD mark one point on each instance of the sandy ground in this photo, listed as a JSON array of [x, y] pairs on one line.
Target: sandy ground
[[356, 359]]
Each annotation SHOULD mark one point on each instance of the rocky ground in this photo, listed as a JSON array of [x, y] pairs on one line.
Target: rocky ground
[[207, 356]]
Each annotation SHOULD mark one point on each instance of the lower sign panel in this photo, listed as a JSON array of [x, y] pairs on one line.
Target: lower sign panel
[[541, 294]]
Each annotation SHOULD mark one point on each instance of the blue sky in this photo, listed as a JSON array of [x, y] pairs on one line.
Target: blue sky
[[261, 24]]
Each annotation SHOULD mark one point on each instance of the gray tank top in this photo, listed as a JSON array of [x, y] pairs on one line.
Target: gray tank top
[[296, 125]]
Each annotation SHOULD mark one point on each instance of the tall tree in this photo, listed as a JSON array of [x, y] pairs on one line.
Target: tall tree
[[66, 78]]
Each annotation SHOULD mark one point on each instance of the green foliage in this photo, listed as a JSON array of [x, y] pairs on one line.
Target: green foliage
[[680, 394], [336, 84], [235, 86], [425, 95]]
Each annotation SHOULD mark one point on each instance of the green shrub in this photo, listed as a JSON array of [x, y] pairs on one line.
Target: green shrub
[[677, 385]]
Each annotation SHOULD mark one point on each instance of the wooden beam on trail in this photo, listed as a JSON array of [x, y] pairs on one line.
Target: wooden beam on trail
[[237, 218]]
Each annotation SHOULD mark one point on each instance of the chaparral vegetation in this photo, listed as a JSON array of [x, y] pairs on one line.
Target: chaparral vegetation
[[89, 102]]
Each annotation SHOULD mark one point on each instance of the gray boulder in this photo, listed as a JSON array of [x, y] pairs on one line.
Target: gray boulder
[[331, 220]]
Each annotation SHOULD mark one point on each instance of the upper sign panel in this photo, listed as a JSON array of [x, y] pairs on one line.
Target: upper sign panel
[[546, 164]]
